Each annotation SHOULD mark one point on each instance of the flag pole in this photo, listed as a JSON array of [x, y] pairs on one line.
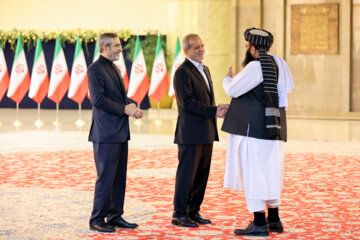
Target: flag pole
[[57, 112], [57, 123], [38, 123], [17, 123], [138, 122], [80, 122], [158, 121]]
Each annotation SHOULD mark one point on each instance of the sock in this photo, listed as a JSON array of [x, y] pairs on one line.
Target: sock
[[273, 215], [259, 218]]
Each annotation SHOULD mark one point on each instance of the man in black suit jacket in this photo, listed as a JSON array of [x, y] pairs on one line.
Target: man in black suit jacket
[[195, 132], [110, 134]]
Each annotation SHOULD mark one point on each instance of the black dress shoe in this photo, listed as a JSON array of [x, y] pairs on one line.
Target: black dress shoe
[[183, 221], [276, 227], [102, 227], [253, 230], [197, 218], [121, 223]]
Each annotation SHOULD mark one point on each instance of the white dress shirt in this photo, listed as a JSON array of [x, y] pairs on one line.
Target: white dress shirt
[[200, 67]]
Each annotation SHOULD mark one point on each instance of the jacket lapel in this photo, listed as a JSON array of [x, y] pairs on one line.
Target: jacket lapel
[[211, 91], [196, 72]]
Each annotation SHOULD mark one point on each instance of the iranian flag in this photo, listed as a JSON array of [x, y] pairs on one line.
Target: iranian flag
[[178, 59], [159, 78], [96, 51], [139, 79], [4, 74], [19, 77], [59, 78], [39, 85], [78, 83], [121, 65], [96, 57]]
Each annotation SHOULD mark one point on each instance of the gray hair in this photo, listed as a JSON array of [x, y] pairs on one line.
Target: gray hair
[[186, 39], [106, 39]]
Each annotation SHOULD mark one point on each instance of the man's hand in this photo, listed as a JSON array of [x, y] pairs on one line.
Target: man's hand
[[221, 110], [230, 73], [132, 111]]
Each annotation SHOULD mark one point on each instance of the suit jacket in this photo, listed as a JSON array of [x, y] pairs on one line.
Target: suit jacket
[[196, 122], [108, 98]]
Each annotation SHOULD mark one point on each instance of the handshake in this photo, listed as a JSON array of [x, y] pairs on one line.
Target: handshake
[[133, 111], [221, 110]]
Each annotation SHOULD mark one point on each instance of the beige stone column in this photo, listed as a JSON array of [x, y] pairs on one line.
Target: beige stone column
[[273, 20], [211, 20], [244, 14], [355, 58]]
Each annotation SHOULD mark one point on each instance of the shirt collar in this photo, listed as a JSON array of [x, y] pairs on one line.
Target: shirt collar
[[196, 64], [105, 60]]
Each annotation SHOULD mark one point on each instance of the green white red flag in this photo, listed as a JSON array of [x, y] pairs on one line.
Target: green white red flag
[[59, 78], [19, 77], [139, 79], [4, 74], [78, 82], [159, 78], [39, 84], [178, 59], [121, 65], [96, 57], [96, 51]]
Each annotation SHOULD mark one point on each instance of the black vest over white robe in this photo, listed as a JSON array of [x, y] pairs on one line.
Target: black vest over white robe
[[246, 116]]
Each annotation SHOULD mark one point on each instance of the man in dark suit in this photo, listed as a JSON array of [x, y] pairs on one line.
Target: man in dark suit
[[110, 134], [195, 132]]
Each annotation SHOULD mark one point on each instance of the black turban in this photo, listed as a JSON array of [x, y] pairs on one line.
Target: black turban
[[259, 38]]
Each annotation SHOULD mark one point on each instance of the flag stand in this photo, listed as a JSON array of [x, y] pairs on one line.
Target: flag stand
[[158, 121], [138, 122], [80, 122], [17, 123], [57, 123], [38, 123]]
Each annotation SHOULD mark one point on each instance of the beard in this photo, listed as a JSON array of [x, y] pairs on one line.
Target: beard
[[114, 56], [248, 58]]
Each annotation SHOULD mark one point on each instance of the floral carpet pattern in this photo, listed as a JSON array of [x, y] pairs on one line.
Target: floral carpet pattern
[[48, 195]]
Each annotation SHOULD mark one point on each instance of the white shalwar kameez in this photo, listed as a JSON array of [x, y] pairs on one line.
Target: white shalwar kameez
[[256, 166]]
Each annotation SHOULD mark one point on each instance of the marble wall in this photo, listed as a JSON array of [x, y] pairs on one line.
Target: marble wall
[[322, 81]]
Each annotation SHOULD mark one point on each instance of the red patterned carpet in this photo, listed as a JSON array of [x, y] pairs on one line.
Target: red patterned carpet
[[48, 195]]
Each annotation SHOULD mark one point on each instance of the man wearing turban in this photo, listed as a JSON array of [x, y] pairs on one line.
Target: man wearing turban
[[256, 123]]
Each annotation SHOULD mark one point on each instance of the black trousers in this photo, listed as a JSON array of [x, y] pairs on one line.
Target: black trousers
[[191, 178], [111, 167]]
